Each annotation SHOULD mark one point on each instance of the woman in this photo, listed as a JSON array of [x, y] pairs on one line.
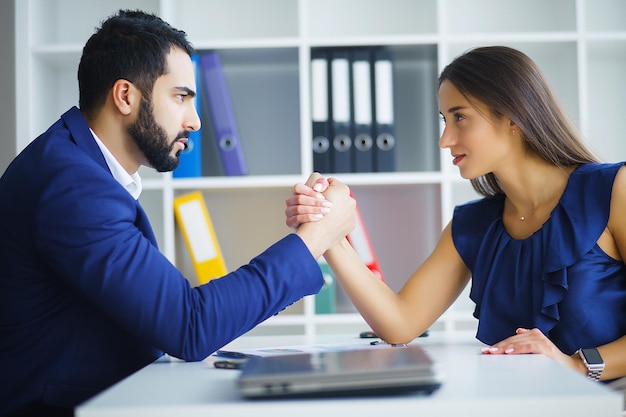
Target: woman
[[544, 247]]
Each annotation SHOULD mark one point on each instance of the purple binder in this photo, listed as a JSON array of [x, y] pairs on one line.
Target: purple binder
[[222, 115]]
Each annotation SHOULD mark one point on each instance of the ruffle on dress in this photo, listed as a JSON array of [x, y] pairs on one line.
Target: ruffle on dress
[[574, 227]]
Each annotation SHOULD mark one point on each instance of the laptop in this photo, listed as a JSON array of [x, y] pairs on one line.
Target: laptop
[[377, 370]]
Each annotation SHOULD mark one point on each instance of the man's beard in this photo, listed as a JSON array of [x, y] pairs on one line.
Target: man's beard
[[151, 139]]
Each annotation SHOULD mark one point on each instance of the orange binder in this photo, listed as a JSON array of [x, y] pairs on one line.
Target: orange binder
[[195, 223], [360, 240]]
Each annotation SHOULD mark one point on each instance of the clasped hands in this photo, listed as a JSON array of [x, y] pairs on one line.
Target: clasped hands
[[323, 208]]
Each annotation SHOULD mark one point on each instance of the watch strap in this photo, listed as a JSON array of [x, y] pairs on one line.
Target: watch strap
[[594, 374], [594, 370]]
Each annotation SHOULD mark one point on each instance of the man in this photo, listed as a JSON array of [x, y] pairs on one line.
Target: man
[[85, 296]]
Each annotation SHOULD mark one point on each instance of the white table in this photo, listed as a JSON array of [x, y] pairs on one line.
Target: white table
[[474, 385]]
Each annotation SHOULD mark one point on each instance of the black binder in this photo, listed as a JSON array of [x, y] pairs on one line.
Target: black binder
[[385, 143], [363, 149], [341, 126], [320, 93]]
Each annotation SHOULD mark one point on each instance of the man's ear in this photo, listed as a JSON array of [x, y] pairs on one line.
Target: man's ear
[[126, 96]]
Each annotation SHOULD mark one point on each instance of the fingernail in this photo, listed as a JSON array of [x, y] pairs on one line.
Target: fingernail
[[509, 350], [317, 187], [484, 350], [327, 204], [317, 216], [320, 196], [325, 210], [493, 349]]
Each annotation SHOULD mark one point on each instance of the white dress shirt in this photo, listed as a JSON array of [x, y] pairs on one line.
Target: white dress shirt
[[132, 183]]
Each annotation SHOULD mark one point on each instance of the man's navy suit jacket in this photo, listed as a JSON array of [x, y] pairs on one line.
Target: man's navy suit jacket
[[86, 298]]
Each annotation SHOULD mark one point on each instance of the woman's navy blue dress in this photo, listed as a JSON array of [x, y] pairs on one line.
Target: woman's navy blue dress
[[558, 279]]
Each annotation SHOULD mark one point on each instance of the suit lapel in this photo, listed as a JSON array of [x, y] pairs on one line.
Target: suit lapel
[[82, 136]]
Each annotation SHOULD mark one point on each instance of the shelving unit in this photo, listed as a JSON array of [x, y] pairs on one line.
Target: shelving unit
[[265, 47]]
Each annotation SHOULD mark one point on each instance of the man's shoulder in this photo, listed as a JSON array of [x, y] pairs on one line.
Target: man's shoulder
[[57, 147]]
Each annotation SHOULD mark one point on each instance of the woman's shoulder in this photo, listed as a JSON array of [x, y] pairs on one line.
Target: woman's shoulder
[[618, 203], [596, 169], [593, 179], [484, 207], [474, 217]]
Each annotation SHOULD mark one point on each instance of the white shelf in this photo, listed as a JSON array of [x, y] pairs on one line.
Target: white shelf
[[265, 47]]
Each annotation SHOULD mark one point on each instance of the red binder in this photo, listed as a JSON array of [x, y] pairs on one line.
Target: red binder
[[360, 240]]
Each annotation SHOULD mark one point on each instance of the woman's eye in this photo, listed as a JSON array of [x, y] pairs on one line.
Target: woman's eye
[[457, 117]]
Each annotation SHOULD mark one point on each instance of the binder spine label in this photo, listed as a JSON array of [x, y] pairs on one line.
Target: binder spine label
[[384, 93], [362, 96], [319, 90], [362, 111], [200, 240]]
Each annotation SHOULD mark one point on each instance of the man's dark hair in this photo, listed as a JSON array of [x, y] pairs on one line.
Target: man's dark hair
[[130, 45]]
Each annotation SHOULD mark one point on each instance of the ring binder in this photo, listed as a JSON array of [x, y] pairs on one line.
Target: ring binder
[[319, 111], [362, 106], [340, 109], [360, 240], [197, 229], [191, 157], [384, 153], [325, 299], [222, 115]]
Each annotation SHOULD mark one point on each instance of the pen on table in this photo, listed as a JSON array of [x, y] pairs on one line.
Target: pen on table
[[382, 342], [371, 335], [230, 363], [229, 354]]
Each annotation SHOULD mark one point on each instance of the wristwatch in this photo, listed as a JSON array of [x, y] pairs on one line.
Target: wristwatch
[[593, 361]]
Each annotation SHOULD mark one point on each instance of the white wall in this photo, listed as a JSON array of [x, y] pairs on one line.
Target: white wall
[[7, 75]]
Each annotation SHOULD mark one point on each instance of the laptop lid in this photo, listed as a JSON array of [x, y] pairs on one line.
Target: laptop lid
[[371, 371]]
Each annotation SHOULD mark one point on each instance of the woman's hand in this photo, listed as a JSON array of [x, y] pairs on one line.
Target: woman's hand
[[532, 341], [309, 212], [307, 202]]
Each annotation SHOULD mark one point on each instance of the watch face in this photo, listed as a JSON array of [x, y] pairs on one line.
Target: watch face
[[592, 356]]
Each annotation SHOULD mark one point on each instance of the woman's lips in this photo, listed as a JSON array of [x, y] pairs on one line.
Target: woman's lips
[[457, 159]]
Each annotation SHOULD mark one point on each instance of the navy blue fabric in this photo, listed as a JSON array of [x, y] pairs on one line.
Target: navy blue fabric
[[86, 298], [558, 279]]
